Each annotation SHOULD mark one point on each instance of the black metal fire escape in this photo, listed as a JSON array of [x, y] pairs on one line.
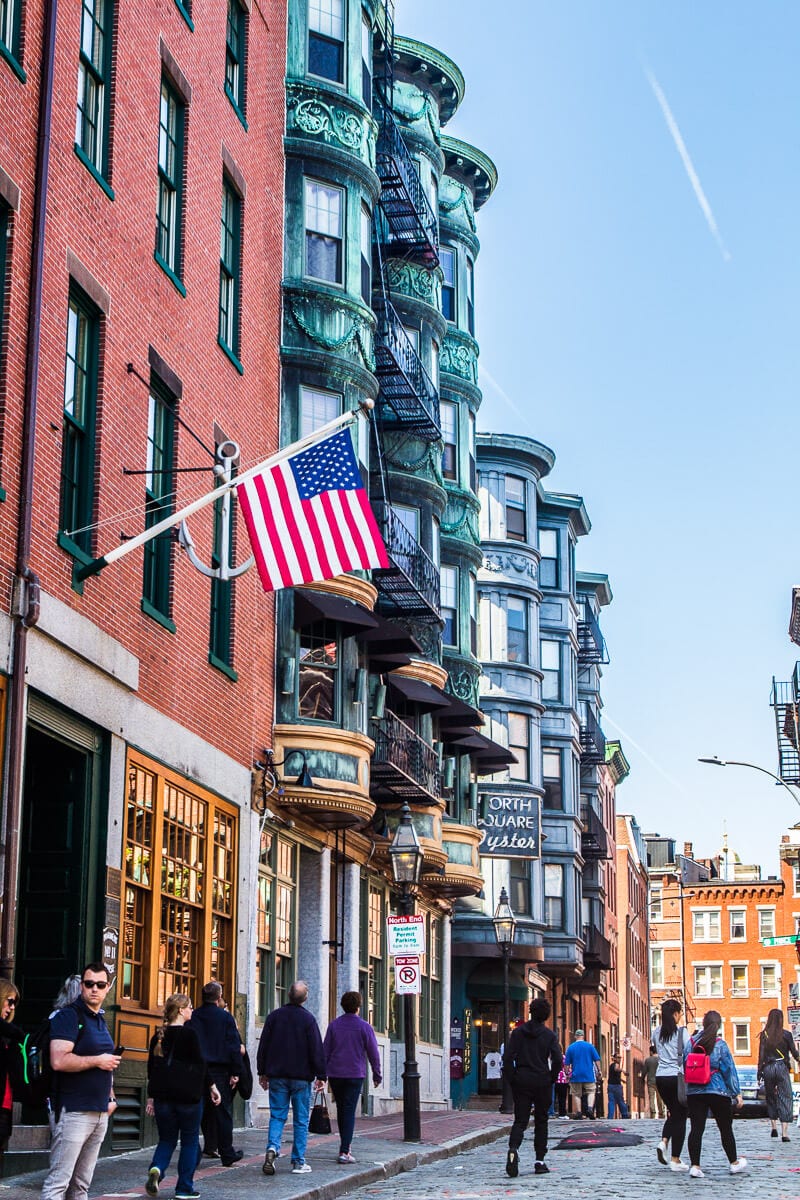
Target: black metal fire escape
[[784, 701], [591, 644]]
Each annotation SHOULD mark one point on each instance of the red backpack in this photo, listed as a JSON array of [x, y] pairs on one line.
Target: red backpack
[[697, 1069]]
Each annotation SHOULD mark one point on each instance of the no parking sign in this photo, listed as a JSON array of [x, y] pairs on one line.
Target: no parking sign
[[407, 980]]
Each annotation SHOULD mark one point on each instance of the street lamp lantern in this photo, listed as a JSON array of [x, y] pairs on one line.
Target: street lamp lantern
[[505, 927], [504, 921], [406, 855], [405, 852]]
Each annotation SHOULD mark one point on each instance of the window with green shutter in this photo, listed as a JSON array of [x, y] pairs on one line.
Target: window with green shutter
[[230, 270], [169, 218], [10, 33], [78, 431], [94, 84], [236, 56], [159, 503], [220, 648]]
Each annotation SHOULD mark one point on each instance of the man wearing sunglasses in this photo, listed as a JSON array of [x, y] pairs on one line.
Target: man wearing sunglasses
[[83, 1059]]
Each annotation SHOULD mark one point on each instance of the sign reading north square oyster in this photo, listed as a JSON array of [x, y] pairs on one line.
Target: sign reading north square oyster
[[511, 826]]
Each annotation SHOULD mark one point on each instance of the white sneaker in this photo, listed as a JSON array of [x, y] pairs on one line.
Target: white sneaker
[[661, 1152], [678, 1166], [696, 1173], [301, 1169], [738, 1166]]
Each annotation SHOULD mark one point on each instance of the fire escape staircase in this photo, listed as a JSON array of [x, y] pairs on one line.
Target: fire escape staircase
[[593, 741], [784, 702], [409, 586], [410, 400], [591, 643]]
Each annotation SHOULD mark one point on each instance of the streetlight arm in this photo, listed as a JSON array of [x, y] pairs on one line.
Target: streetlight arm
[[732, 762]]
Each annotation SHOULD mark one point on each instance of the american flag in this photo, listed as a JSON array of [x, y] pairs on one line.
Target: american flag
[[309, 518]]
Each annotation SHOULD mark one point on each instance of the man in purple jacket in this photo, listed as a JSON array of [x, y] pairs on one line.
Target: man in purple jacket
[[290, 1058], [349, 1042]]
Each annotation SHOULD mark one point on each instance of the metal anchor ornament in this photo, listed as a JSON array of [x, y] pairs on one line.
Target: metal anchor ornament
[[227, 455]]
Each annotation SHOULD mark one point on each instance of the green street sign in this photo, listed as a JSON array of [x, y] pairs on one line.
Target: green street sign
[[788, 940]]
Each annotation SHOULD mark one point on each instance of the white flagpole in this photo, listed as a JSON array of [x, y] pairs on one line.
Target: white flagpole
[[97, 564]]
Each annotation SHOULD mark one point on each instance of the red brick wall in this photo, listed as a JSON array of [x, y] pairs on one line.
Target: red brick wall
[[114, 241]]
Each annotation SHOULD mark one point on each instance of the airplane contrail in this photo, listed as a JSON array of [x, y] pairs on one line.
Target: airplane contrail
[[680, 146], [647, 757]]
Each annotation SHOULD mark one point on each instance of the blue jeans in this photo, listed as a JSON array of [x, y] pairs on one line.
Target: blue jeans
[[616, 1096], [282, 1092], [346, 1093], [173, 1121]]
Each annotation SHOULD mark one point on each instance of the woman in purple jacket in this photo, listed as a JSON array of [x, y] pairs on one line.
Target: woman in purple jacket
[[349, 1042]]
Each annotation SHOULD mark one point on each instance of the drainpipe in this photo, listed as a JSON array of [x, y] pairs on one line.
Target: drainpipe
[[26, 589]]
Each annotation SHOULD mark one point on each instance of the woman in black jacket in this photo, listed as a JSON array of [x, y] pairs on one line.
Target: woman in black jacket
[[177, 1082], [774, 1047], [531, 1063], [9, 1033]]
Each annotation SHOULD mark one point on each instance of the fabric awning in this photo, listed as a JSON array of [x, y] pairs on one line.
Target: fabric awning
[[312, 606], [460, 715], [488, 756], [426, 698], [387, 646]]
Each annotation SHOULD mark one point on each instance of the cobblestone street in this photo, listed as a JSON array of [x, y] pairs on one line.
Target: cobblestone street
[[773, 1172]]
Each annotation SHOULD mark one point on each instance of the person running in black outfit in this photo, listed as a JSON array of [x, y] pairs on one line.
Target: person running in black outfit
[[531, 1063]]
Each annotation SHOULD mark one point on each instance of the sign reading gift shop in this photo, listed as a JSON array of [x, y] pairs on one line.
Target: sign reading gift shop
[[511, 825], [406, 934]]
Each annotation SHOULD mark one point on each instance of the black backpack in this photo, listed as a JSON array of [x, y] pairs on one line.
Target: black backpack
[[31, 1073]]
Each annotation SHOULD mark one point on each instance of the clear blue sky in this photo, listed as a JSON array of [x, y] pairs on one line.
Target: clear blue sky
[[646, 328]]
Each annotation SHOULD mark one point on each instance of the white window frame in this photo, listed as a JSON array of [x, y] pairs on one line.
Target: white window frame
[[737, 1025], [702, 922], [766, 911], [448, 576], [737, 937], [656, 966], [309, 230], [656, 902], [740, 989], [766, 989], [314, 402], [704, 980]]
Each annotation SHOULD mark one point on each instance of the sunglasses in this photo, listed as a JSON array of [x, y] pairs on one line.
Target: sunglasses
[[12, 1003], [94, 983]]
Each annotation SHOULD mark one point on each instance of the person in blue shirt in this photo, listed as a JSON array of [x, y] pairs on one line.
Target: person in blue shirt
[[580, 1058], [715, 1096]]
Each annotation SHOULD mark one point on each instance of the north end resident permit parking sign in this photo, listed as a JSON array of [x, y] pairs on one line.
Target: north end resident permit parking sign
[[406, 935]]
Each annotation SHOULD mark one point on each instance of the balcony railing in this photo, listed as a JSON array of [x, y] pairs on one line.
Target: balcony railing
[[594, 838], [411, 227], [410, 584], [410, 398], [593, 741], [591, 644], [404, 766], [787, 720], [597, 948]]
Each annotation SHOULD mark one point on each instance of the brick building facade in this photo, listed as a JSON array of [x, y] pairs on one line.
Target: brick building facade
[[142, 240]]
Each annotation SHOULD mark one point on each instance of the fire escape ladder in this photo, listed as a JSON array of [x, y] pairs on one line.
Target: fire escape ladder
[[785, 706]]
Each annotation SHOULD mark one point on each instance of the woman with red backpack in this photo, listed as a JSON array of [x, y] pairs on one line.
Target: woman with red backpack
[[712, 1085]]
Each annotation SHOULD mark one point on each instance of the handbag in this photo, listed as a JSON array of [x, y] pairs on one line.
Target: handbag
[[319, 1120], [245, 1085], [681, 1078]]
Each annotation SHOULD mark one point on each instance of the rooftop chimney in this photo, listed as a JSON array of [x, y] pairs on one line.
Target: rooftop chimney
[[784, 839], [687, 850]]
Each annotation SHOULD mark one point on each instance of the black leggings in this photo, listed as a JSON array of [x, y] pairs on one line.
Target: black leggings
[[722, 1112], [674, 1130]]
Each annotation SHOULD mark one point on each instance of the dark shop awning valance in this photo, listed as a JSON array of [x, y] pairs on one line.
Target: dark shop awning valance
[[426, 698], [318, 606], [387, 646], [486, 982]]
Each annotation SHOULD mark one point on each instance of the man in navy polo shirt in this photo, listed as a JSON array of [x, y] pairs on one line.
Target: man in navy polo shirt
[[83, 1059]]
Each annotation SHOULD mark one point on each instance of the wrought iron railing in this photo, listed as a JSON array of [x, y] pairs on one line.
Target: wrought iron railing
[[593, 740], [591, 644], [408, 557], [400, 748], [411, 220], [405, 384], [787, 728], [594, 838]]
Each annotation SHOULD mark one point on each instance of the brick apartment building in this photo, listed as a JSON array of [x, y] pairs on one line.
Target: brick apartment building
[[708, 923], [141, 174], [632, 901]]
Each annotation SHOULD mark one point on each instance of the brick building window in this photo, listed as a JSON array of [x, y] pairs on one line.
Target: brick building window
[[236, 56], [220, 645], [230, 256], [326, 39], [179, 887], [10, 29], [706, 926], [708, 980], [159, 485], [372, 957], [766, 923], [739, 982], [169, 218], [79, 421], [656, 966], [656, 902], [94, 84], [738, 924], [741, 1037], [769, 979]]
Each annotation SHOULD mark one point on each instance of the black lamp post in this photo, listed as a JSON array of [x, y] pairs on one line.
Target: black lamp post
[[505, 926], [405, 855]]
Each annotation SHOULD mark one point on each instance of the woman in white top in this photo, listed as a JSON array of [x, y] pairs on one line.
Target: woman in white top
[[670, 1041]]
